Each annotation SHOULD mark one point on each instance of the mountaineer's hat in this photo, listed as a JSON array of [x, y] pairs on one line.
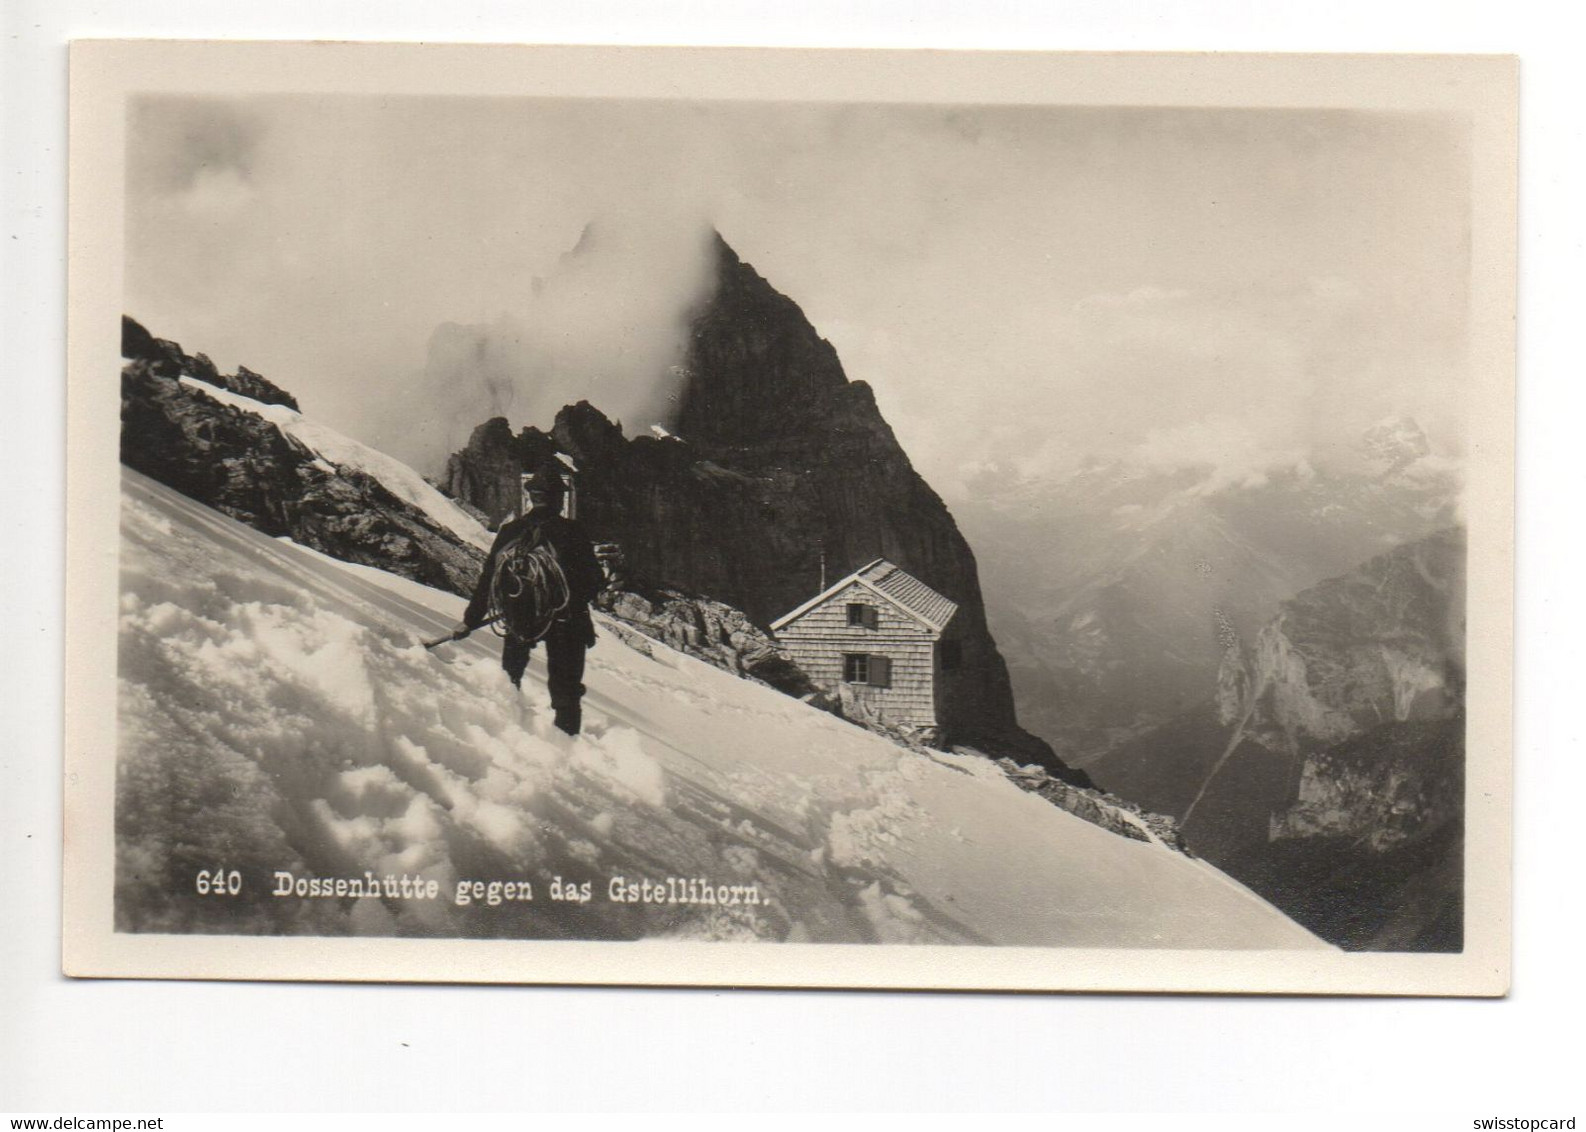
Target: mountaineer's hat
[[546, 479]]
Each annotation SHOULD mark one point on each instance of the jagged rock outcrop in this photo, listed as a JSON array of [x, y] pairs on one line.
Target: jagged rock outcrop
[[243, 465], [166, 359], [709, 630], [1114, 814], [484, 474], [1397, 443], [1381, 644], [1371, 851], [1327, 771], [781, 472], [1381, 789]]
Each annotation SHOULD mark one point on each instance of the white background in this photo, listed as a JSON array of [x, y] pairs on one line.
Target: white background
[[168, 1047]]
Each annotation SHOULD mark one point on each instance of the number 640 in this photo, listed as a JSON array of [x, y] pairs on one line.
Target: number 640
[[219, 882]]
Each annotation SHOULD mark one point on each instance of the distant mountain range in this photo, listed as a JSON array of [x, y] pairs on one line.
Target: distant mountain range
[[1113, 592]]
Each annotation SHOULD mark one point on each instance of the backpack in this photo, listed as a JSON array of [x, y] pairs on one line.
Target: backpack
[[528, 588]]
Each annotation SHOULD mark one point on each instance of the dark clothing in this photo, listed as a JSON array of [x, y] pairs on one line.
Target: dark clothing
[[574, 552], [572, 632], [564, 663]]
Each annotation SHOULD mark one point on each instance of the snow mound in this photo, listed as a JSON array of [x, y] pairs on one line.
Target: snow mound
[[280, 718]]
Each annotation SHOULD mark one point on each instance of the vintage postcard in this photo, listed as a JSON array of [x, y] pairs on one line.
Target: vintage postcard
[[790, 518]]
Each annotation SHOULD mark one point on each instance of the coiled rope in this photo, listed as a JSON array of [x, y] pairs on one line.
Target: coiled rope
[[529, 589]]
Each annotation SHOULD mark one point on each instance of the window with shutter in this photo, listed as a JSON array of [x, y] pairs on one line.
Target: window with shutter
[[856, 668], [862, 616]]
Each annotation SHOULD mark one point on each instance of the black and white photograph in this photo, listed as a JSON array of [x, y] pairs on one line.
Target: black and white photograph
[[827, 530]]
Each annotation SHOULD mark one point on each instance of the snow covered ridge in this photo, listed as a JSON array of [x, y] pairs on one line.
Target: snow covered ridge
[[258, 460], [339, 450], [278, 715]]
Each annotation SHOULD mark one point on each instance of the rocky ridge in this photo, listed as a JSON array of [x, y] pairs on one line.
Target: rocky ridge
[[167, 359], [708, 630], [244, 466], [1109, 811]]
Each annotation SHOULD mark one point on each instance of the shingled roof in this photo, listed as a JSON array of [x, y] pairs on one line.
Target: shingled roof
[[895, 584], [911, 593]]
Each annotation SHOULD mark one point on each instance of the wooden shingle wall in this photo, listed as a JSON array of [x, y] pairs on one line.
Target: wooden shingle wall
[[818, 639]]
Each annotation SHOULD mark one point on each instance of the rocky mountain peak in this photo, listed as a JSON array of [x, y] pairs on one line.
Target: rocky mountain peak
[[755, 370], [585, 433], [1396, 442], [781, 473], [484, 473]]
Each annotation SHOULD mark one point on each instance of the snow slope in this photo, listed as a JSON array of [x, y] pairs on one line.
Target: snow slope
[[279, 715], [338, 449]]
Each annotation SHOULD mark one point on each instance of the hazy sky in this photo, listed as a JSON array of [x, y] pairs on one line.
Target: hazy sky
[[1023, 287]]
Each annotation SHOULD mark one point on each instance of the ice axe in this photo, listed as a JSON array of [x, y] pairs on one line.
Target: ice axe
[[457, 636]]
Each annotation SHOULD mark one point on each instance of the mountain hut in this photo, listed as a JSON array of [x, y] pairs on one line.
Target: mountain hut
[[883, 637]]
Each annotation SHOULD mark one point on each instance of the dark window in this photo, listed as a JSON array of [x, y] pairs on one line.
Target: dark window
[[861, 615], [951, 654], [858, 668]]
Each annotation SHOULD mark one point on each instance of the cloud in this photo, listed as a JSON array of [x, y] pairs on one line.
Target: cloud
[[189, 145], [217, 193], [1229, 449], [608, 324], [1236, 380], [1053, 283]]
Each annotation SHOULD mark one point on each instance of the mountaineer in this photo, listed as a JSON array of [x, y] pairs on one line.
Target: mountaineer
[[537, 585]]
